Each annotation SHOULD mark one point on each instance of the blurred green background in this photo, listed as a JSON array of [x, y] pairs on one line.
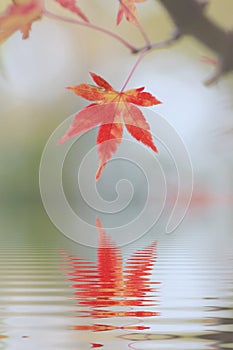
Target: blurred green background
[[34, 101]]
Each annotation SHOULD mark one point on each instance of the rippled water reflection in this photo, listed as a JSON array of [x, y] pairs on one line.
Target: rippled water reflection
[[161, 292], [111, 288]]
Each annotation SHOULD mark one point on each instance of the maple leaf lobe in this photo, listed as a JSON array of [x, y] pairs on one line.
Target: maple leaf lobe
[[72, 6], [127, 8], [108, 139], [85, 120], [140, 97], [87, 91], [101, 82], [137, 125]]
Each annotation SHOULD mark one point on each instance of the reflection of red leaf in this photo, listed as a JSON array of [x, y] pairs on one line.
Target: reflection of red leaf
[[19, 16], [110, 282], [138, 328], [3, 336], [139, 269], [71, 5], [201, 197], [95, 345], [94, 328], [128, 9], [105, 327], [110, 110], [101, 313]]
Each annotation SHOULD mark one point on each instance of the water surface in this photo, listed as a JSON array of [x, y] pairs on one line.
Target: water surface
[[162, 291]]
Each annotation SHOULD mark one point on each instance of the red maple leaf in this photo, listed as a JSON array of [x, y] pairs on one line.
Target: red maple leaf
[[19, 16], [128, 9], [72, 6], [110, 110], [22, 13]]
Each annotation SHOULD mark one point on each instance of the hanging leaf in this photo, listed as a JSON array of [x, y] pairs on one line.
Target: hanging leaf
[[20, 16], [110, 110], [72, 6], [128, 9]]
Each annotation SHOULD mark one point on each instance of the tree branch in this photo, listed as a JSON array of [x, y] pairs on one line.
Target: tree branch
[[190, 19], [117, 37]]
